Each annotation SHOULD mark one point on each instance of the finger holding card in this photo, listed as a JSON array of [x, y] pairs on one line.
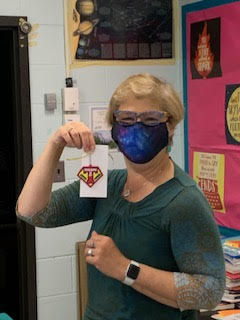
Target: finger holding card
[[74, 134]]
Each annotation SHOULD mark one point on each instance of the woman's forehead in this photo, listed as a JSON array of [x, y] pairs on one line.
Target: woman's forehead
[[139, 104]]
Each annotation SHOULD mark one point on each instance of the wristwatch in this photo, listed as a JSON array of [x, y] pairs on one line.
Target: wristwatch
[[131, 273]]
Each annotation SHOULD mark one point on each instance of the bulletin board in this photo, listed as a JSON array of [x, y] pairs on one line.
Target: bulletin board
[[120, 32], [211, 77]]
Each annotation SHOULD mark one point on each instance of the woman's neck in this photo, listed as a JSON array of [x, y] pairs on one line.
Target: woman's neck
[[161, 167]]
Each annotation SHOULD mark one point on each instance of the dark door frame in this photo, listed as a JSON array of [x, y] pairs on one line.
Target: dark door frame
[[23, 154]]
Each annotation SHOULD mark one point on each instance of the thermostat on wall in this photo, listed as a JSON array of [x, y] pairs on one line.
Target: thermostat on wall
[[70, 99], [50, 101]]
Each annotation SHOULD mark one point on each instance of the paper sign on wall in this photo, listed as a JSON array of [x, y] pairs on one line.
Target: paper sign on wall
[[205, 49], [208, 172], [232, 114]]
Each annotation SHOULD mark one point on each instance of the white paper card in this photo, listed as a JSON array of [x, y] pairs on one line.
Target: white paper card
[[98, 158]]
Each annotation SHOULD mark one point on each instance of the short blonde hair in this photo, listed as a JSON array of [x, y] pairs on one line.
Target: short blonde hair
[[145, 85]]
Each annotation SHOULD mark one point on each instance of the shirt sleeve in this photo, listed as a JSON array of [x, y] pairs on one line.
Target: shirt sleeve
[[65, 207], [197, 249]]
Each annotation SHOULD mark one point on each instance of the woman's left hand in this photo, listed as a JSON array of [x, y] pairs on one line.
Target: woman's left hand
[[102, 252]]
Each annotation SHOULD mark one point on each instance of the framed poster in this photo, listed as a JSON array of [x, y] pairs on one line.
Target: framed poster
[[211, 73], [114, 31]]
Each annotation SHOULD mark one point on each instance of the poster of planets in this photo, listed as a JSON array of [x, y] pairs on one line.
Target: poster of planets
[[121, 30]]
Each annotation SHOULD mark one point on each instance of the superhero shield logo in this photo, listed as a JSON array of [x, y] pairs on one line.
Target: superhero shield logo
[[90, 175]]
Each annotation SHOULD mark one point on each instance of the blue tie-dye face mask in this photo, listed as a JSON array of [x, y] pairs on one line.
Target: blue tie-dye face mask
[[138, 142]]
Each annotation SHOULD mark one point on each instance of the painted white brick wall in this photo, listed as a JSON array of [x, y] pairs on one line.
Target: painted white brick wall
[[55, 248]]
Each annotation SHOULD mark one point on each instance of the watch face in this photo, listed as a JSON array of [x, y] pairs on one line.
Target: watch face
[[133, 271]]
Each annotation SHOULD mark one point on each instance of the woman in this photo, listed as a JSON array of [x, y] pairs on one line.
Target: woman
[[154, 250]]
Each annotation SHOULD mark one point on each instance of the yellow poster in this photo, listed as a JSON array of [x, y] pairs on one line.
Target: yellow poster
[[209, 172], [233, 114]]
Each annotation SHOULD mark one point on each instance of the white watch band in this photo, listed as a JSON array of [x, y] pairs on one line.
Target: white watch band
[[129, 281]]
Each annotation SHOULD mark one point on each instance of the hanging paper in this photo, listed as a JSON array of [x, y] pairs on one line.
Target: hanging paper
[[93, 173]]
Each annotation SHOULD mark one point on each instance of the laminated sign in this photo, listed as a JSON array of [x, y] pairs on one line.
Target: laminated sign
[[205, 49], [208, 172], [232, 114]]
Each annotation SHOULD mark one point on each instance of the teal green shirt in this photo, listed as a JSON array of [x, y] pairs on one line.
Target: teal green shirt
[[171, 229]]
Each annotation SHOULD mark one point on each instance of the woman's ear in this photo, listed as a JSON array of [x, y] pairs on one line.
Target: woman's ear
[[171, 130]]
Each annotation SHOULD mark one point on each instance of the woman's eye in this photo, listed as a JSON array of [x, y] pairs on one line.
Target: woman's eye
[[127, 119], [151, 119]]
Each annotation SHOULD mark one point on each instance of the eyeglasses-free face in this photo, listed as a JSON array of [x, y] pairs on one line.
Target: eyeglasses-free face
[[149, 118]]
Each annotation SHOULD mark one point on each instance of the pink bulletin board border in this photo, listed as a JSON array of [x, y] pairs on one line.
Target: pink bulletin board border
[[207, 95]]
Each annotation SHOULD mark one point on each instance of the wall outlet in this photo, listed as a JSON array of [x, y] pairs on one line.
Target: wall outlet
[[60, 172]]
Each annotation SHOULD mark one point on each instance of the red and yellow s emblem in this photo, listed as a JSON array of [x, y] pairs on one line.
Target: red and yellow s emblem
[[90, 175]]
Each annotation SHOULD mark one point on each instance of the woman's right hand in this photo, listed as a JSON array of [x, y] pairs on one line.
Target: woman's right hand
[[36, 192], [74, 134]]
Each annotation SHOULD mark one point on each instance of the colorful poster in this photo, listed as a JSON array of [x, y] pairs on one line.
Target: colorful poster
[[232, 114], [205, 49], [121, 30], [111, 32], [208, 172], [212, 98]]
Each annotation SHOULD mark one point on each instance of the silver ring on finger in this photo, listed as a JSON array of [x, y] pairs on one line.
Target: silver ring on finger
[[90, 252], [91, 244]]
